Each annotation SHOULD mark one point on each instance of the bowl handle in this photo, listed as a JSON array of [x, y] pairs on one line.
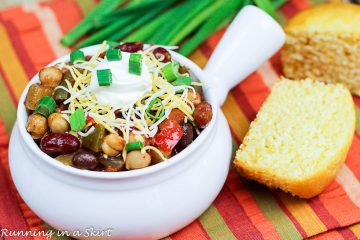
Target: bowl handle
[[250, 40]]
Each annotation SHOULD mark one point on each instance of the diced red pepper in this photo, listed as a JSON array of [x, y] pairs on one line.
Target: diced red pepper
[[170, 134], [90, 120]]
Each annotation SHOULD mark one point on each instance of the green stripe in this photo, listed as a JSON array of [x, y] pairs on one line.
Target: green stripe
[[284, 226], [8, 108], [86, 5], [357, 115], [317, 2], [214, 224]]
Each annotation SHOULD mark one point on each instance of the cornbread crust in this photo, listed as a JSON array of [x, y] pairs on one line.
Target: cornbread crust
[[310, 183], [323, 43]]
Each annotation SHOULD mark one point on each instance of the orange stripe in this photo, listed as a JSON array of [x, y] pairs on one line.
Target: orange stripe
[[236, 118], [192, 231], [301, 4], [255, 90], [328, 235], [11, 66], [49, 26], [304, 214], [214, 39], [199, 58], [250, 207], [339, 205], [33, 39], [353, 157], [66, 19]]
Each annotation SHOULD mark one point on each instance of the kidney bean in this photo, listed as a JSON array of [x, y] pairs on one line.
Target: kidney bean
[[118, 113], [59, 143], [202, 114], [85, 160], [162, 55], [130, 47], [188, 135]]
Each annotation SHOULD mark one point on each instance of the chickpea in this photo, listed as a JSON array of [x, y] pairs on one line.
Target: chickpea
[[196, 100], [50, 76], [37, 126], [58, 124], [135, 160], [136, 138], [112, 144]]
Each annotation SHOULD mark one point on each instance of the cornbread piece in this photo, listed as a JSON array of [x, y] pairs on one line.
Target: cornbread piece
[[323, 43], [300, 137]]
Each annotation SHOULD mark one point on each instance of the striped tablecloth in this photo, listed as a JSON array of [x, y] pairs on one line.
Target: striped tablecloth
[[29, 39]]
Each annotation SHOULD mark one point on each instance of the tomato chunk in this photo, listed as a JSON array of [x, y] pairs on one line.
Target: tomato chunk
[[170, 134], [90, 120]]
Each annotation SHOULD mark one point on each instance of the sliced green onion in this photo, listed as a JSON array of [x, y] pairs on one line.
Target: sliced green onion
[[151, 105], [135, 64], [171, 71], [113, 55], [77, 55], [112, 44], [77, 120], [104, 77], [46, 106], [131, 146], [182, 81]]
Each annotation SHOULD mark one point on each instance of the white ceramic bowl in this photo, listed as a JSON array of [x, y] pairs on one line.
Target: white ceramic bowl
[[153, 202]]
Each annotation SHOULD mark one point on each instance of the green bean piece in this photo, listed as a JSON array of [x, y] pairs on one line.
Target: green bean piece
[[94, 140], [212, 25], [85, 25], [144, 33], [133, 7], [197, 21], [60, 95], [187, 12], [141, 21]]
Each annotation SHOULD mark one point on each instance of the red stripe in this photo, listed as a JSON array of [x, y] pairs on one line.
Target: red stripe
[[275, 61], [66, 19], [356, 101], [8, 86], [206, 50], [19, 48], [243, 103], [255, 90], [323, 214], [235, 216], [10, 214], [347, 234], [208, 47], [289, 9], [290, 216]]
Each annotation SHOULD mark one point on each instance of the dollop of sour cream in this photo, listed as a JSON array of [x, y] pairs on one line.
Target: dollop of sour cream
[[126, 88]]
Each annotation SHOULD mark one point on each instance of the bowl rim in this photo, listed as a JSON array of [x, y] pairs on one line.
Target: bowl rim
[[30, 143]]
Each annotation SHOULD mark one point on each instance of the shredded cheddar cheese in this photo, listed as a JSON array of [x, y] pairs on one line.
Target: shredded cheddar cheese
[[134, 118]]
